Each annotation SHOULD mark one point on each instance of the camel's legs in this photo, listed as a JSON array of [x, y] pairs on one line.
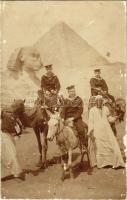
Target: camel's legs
[[37, 133], [70, 163], [44, 149], [64, 166]]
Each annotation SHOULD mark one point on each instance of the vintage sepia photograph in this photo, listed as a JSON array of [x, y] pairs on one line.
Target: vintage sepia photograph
[[63, 99]]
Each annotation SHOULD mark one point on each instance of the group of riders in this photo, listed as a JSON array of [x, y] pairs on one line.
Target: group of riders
[[71, 107]]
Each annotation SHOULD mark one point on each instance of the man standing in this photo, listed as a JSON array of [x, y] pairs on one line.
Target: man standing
[[103, 147], [73, 108], [50, 86], [99, 86]]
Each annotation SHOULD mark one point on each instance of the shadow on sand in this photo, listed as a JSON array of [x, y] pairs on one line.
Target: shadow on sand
[[78, 167]]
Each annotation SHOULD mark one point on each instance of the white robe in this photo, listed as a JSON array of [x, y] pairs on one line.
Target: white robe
[[104, 150], [9, 155]]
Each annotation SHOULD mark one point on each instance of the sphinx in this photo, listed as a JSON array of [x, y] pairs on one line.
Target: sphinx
[[21, 79]]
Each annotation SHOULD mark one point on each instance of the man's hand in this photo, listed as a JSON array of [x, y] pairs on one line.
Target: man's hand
[[91, 135], [105, 92], [112, 119], [17, 128], [92, 138], [53, 92], [71, 118], [97, 88], [47, 92], [44, 106]]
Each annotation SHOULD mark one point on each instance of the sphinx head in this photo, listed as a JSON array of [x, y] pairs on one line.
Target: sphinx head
[[24, 59]]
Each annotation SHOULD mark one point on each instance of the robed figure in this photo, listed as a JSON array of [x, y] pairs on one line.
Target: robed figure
[[103, 146]]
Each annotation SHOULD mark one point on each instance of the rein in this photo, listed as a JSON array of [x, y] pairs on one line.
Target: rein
[[59, 130]]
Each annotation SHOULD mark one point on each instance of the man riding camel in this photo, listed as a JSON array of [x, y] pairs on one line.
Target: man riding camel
[[50, 86], [49, 82], [73, 109], [99, 86]]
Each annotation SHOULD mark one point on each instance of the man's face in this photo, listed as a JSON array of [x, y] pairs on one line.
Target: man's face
[[72, 93], [49, 71], [71, 123], [97, 74], [99, 103]]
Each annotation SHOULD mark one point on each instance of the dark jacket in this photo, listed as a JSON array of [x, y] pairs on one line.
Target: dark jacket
[[97, 83], [50, 83], [74, 108]]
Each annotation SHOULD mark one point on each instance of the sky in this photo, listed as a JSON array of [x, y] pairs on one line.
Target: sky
[[100, 23]]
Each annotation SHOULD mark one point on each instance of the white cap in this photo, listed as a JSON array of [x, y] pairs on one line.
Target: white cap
[[98, 97]]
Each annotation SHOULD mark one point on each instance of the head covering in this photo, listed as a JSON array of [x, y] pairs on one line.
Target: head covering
[[70, 87], [48, 66], [97, 70], [98, 97]]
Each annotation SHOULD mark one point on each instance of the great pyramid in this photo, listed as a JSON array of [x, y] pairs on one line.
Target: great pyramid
[[74, 60], [63, 46]]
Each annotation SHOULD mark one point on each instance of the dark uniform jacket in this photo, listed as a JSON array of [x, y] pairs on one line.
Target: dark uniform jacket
[[74, 108], [97, 83], [50, 83]]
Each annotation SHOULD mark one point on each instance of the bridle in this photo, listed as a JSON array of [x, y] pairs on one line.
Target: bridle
[[59, 129]]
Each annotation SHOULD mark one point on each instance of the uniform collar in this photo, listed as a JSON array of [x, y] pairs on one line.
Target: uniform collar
[[72, 98], [97, 78], [50, 76]]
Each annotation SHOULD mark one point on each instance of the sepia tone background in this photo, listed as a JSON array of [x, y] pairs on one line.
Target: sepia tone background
[[101, 23], [75, 37]]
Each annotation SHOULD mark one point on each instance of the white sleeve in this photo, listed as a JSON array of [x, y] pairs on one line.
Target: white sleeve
[[110, 118]]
